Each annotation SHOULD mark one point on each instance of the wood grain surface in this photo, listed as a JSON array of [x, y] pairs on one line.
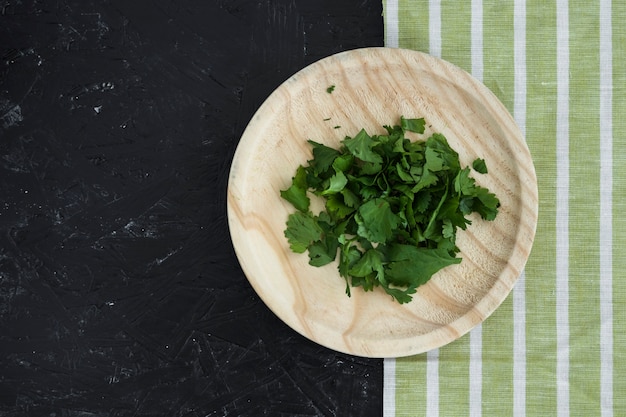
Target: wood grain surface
[[374, 87]]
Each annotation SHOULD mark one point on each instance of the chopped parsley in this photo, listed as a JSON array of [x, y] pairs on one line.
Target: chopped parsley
[[330, 89], [392, 208], [480, 166]]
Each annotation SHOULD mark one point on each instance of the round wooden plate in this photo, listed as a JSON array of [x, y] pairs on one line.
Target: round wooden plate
[[374, 87]]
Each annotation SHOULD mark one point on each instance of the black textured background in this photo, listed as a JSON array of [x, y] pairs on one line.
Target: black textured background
[[120, 294]]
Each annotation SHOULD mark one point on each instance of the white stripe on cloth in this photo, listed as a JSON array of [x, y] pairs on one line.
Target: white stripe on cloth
[[391, 24], [476, 372], [389, 387], [606, 202], [519, 347], [562, 209], [477, 39], [434, 27], [432, 383], [476, 335], [519, 291]]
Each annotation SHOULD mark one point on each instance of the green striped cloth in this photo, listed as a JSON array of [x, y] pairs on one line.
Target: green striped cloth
[[557, 345]]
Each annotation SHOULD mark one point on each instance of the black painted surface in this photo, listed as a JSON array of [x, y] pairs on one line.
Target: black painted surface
[[120, 294]]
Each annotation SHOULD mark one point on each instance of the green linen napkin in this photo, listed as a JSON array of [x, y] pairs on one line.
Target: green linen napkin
[[557, 345]]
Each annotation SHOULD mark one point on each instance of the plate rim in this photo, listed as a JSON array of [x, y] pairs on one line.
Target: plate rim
[[462, 324]]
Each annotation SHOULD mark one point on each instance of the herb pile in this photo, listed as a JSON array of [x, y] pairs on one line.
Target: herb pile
[[392, 207]]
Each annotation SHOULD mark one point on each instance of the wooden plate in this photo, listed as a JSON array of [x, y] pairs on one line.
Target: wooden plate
[[374, 87]]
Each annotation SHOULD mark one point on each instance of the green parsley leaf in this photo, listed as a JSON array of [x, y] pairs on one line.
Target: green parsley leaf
[[336, 183], [323, 157], [413, 125], [337, 207], [400, 295], [302, 230], [370, 263], [362, 146], [377, 222], [323, 252], [439, 143], [480, 166], [463, 183], [413, 266], [296, 193], [350, 198], [489, 203]]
